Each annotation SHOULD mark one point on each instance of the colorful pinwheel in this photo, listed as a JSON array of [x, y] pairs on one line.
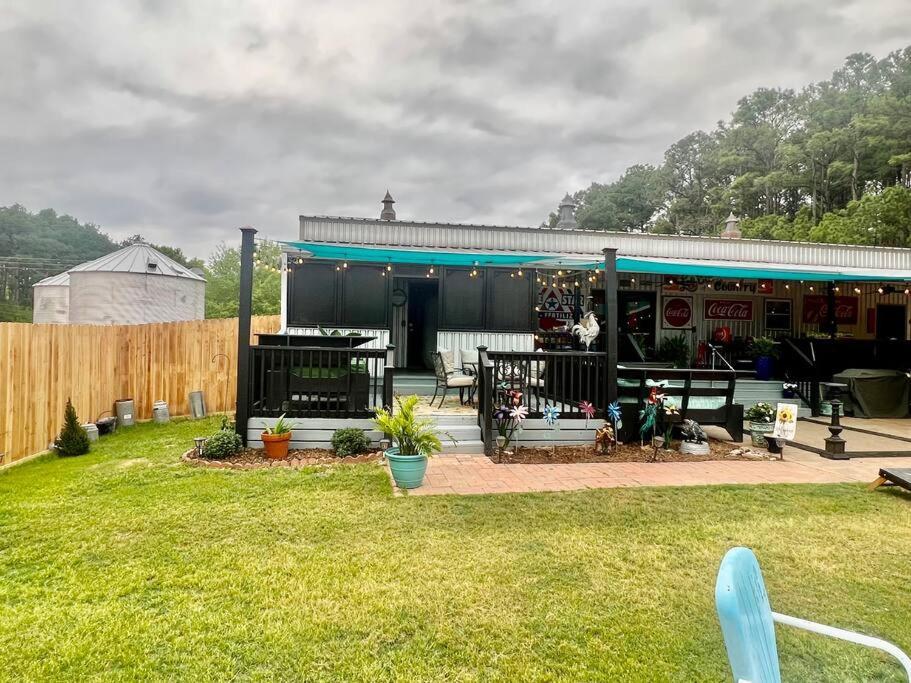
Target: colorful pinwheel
[[551, 415], [588, 409]]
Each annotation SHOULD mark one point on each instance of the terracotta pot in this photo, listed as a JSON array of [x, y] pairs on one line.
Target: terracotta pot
[[276, 445]]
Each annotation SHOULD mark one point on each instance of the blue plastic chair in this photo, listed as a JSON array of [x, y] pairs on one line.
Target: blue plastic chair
[[748, 622]]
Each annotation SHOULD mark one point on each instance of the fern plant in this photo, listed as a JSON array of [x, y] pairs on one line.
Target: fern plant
[[413, 435]]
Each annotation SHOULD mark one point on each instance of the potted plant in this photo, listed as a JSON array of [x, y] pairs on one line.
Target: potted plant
[[415, 440], [788, 390], [764, 350], [276, 438], [762, 421]]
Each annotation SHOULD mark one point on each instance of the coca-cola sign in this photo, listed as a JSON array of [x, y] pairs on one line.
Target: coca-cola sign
[[728, 309], [816, 309], [678, 313]]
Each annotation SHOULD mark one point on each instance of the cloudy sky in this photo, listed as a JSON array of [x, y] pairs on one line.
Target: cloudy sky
[[184, 120]]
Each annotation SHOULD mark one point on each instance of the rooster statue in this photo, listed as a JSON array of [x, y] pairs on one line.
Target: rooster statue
[[587, 329]]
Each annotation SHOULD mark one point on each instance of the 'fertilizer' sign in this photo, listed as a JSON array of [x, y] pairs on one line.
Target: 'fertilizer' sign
[[678, 313], [728, 309], [816, 309]]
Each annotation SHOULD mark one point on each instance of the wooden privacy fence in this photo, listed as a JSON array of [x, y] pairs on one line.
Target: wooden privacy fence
[[94, 365]]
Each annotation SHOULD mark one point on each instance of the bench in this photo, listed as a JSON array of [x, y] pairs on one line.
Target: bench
[[893, 476], [707, 405]]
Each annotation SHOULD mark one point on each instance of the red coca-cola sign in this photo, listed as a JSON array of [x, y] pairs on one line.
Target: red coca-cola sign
[[816, 309], [678, 312], [728, 309]]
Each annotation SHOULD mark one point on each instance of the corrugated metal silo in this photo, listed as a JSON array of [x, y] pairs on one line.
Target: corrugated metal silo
[[51, 299]]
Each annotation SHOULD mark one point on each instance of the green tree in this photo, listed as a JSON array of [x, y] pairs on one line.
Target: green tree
[[223, 281]]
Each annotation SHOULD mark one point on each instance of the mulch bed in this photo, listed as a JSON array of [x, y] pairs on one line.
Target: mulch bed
[[255, 458], [539, 455]]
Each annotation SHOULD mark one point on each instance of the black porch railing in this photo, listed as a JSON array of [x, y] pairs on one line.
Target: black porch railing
[[564, 379], [322, 382], [801, 370]]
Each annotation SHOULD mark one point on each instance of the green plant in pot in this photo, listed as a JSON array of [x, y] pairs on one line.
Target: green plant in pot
[[762, 421], [415, 440], [277, 438], [764, 350], [675, 350]]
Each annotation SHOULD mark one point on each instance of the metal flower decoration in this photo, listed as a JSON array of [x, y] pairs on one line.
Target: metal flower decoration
[[551, 415], [587, 408], [501, 413], [518, 413]]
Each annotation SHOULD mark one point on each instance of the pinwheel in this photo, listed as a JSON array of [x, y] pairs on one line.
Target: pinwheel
[[551, 415], [613, 414], [588, 409]]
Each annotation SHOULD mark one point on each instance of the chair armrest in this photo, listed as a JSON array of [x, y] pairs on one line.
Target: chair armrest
[[850, 636]]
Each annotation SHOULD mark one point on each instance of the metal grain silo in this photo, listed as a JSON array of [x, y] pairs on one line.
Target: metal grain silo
[[51, 299], [134, 285]]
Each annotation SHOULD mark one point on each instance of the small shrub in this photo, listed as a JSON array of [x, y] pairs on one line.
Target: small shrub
[[222, 444], [73, 439], [350, 441]]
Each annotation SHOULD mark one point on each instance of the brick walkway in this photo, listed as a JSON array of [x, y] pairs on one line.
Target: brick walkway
[[474, 474]]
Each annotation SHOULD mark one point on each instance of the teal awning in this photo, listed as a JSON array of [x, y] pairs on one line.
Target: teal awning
[[625, 264]]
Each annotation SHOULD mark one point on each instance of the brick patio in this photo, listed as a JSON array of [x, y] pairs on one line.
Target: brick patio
[[477, 474]]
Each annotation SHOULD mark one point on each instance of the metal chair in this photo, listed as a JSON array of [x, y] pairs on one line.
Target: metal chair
[[748, 622], [447, 377]]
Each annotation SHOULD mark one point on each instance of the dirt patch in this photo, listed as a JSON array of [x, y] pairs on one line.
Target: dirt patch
[[255, 458], [539, 455]]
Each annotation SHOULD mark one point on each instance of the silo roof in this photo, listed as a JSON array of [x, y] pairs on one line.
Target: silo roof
[[59, 280], [136, 258]]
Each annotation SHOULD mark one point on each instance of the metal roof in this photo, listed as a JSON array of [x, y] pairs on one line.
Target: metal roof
[[137, 258], [626, 264], [368, 231], [60, 280]]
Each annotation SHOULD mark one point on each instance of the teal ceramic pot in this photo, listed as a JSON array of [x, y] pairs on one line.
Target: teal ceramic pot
[[407, 470]]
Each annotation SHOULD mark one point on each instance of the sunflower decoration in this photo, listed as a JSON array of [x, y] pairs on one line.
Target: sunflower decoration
[[785, 415]]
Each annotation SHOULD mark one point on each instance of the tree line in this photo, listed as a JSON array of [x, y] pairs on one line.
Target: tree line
[[35, 245], [830, 163]]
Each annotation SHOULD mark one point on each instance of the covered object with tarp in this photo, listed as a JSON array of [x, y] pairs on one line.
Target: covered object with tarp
[[876, 393]]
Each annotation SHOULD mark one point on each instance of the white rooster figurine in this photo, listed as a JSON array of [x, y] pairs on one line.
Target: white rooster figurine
[[587, 329]]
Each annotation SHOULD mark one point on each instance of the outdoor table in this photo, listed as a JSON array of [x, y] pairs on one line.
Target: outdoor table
[[471, 368]]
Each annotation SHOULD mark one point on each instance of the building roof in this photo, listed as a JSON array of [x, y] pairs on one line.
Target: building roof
[[888, 261], [137, 258], [59, 280]]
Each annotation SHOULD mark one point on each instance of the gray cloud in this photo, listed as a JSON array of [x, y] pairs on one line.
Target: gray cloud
[[182, 121]]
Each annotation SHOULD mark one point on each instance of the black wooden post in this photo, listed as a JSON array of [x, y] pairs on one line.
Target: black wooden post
[[835, 444], [244, 312], [831, 324], [388, 374], [610, 323]]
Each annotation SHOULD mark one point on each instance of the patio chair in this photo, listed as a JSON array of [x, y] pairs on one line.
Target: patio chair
[[470, 359], [748, 622], [447, 377]]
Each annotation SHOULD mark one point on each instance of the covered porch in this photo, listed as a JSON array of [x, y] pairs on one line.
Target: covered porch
[[510, 314]]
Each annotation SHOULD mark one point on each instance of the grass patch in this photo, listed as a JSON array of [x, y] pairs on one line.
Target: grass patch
[[125, 564]]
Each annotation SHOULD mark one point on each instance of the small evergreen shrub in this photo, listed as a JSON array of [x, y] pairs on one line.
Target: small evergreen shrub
[[222, 444], [350, 441], [73, 439]]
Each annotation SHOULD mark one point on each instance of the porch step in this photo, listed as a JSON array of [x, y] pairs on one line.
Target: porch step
[[463, 429]]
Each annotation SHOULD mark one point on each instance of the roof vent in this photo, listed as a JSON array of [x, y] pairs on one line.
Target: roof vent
[[152, 265], [567, 218], [731, 227], [388, 213]]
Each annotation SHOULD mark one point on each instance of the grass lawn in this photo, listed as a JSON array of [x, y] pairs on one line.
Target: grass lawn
[[126, 564]]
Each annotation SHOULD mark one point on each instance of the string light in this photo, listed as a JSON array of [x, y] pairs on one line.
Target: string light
[[857, 290], [811, 288], [388, 267], [787, 286], [879, 289], [345, 264], [519, 273]]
